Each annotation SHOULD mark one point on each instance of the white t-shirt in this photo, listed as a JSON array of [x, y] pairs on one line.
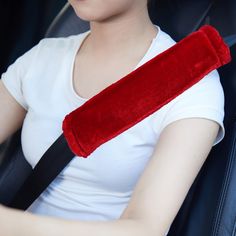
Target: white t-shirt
[[98, 187]]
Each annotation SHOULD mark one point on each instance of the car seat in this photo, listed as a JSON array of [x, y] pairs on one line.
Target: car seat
[[209, 208]]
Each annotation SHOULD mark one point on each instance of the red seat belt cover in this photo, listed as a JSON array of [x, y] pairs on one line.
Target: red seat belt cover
[[145, 90]]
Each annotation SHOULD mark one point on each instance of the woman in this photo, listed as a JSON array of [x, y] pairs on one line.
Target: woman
[[135, 183]]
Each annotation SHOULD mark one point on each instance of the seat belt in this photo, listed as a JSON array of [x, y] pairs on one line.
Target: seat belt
[[125, 103]]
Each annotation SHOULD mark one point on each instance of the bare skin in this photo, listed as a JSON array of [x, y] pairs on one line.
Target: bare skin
[[12, 114], [92, 74], [121, 33]]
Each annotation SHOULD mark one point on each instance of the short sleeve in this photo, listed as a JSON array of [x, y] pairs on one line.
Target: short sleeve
[[204, 99], [14, 76]]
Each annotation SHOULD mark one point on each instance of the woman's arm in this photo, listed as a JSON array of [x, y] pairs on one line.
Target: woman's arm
[[12, 114], [182, 148], [18, 223]]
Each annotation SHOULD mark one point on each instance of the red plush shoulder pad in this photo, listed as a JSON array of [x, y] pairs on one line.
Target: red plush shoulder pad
[[144, 90]]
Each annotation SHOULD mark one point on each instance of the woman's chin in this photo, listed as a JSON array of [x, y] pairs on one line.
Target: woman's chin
[[89, 16]]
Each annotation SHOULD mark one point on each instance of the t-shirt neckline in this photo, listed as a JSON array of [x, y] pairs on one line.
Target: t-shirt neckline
[[77, 47]]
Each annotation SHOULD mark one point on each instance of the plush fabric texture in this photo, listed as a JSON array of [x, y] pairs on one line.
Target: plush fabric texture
[[144, 90]]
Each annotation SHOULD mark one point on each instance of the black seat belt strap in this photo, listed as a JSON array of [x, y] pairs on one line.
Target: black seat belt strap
[[49, 166]]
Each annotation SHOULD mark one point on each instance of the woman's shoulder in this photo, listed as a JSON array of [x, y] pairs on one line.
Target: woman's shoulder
[[162, 42], [59, 43]]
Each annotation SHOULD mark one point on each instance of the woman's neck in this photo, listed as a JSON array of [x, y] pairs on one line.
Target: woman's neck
[[130, 32]]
